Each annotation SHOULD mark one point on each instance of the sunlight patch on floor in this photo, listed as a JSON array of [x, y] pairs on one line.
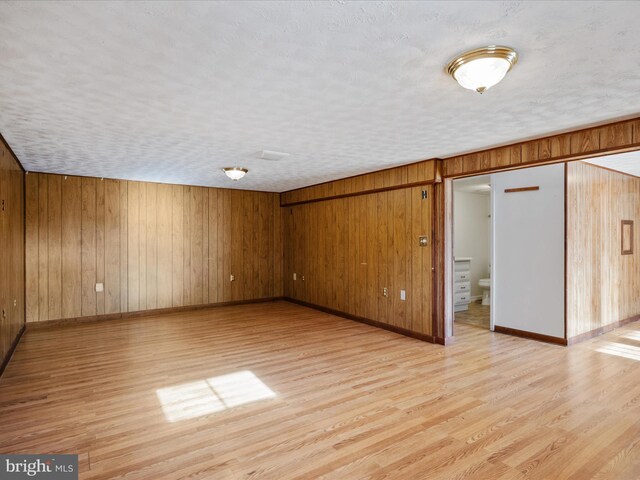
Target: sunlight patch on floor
[[621, 350], [203, 397]]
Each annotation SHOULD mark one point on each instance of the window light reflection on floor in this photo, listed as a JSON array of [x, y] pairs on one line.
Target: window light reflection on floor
[[621, 350], [215, 394]]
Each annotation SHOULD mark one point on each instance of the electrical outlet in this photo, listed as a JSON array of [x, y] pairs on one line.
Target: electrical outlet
[[99, 287], [385, 292], [403, 295], [232, 278], [303, 278]]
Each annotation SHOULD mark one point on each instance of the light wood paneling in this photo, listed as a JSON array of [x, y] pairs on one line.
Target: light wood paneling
[[350, 401], [603, 285], [12, 252], [346, 251], [152, 246]]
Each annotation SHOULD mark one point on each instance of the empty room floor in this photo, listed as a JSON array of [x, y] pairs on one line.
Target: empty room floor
[[279, 391]]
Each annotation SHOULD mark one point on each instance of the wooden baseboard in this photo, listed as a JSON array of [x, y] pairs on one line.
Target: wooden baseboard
[[142, 313], [602, 330], [374, 323], [530, 335], [7, 357]]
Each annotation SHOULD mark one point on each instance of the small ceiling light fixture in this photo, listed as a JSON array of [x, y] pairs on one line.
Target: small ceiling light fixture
[[482, 68], [235, 173]]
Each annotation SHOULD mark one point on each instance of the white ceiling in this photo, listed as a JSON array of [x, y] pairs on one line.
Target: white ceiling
[[622, 162], [173, 91]]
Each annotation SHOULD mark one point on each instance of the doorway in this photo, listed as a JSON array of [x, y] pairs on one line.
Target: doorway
[[472, 251], [508, 254]]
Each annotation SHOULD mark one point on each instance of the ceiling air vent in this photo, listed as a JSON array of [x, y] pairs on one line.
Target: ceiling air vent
[[271, 155]]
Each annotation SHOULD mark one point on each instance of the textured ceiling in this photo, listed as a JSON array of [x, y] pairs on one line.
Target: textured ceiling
[[173, 91], [622, 162]]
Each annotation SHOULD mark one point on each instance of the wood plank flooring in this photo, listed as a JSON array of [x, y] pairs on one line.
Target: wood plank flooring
[[279, 391], [477, 315]]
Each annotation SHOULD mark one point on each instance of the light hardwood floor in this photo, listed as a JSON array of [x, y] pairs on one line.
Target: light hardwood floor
[[279, 391]]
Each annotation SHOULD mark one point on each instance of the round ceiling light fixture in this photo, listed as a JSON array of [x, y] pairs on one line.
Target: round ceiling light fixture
[[482, 68], [235, 173]]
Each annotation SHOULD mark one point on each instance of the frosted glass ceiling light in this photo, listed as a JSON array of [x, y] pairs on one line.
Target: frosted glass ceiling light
[[482, 68], [235, 173]]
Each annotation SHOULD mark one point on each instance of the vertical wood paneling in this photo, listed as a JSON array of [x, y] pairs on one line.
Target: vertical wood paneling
[[165, 255], [12, 251], [237, 246], [602, 284], [143, 210], [177, 241], [212, 260], [186, 245], [112, 246], [350, 249], [133, 246], [100, 245], [71, 247], [54, 217], [124, 246], [151, 245], [89, 255], [32, 239], [224, 244], [43, 247]]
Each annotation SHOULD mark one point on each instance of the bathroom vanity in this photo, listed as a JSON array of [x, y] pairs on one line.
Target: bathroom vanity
[[461, 284]]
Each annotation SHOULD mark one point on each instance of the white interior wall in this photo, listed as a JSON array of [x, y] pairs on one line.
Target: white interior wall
[[528, 261], [471, 233]]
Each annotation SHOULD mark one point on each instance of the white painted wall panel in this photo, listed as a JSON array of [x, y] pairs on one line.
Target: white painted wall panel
[[528, 269]]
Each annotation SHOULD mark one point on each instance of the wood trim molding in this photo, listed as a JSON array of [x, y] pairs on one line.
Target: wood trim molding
[[362, 192], [629, 250], [602, 330], [14, 345], [373, 323], [596, 141], [530, 335], [143, 313], [521, 189]]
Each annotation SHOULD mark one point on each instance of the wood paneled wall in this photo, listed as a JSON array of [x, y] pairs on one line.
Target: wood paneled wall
[[346, 251], [603, 286], [391, 178], [587, 142], [11, 251], [153, 246]]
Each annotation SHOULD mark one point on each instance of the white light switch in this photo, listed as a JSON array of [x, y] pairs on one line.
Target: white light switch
[[403, 295], [232, 278], [99, 287], [295, 277]]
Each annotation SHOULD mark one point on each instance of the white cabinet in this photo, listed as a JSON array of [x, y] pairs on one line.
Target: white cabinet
[[461, 284]]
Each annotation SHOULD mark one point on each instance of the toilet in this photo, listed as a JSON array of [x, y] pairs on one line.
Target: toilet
[[485, 284]]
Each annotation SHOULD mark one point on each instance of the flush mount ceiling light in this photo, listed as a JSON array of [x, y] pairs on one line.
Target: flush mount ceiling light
[[235, 173], [482, 68]]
